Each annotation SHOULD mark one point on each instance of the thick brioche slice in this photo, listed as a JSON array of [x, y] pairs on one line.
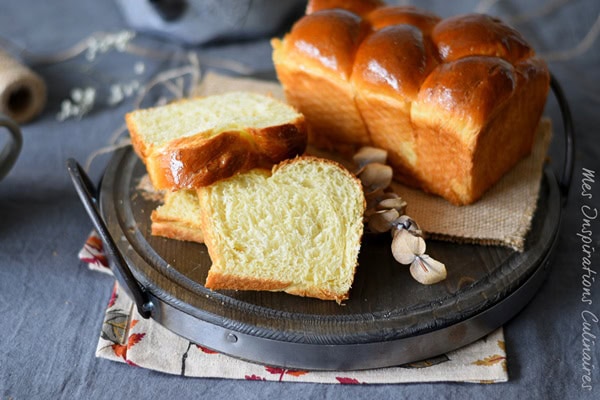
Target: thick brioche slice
[[195, 142], [296, 229], [178, 217]]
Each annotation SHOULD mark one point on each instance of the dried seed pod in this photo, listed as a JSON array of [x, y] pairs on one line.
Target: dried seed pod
[[390, 195], [375, 177], [377, 196], [427, 270], [381, 221], [385, 213], [407, 223], [406, 246], [367, 155], [369, 211], [397, 204]]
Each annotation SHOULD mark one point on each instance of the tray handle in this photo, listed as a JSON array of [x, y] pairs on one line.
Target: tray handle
[[569, 132], [88, 195]]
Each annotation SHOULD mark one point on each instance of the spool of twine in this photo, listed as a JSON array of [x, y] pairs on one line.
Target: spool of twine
[[22, 91]]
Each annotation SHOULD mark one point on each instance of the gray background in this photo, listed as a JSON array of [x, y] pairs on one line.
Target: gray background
[[51, 306]]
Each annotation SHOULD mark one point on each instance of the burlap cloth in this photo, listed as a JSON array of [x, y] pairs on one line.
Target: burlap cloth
[[502, 217]]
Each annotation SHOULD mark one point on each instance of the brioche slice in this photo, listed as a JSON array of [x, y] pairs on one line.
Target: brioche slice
[[296, 229], [194, 142], [178, 217]]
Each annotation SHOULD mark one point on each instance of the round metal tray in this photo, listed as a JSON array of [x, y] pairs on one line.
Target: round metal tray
[[389, 319]]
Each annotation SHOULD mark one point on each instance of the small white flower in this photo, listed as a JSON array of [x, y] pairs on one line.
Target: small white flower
[[121, 91], [116, 95], [98, 45], [77, 95], [131, 88], [139, 68], [80, 103]]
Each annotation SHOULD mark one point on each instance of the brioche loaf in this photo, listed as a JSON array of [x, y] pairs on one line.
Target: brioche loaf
[[455, 102], [296, 229], [195, 142], [178, 217]]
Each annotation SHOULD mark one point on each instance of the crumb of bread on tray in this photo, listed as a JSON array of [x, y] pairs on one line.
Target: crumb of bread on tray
[[145, 188]]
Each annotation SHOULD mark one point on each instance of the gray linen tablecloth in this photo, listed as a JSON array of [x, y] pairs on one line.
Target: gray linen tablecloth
[[51, 307]]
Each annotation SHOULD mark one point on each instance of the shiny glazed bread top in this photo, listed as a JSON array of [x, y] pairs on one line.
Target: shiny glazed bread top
[[399, 46], [404, 79]]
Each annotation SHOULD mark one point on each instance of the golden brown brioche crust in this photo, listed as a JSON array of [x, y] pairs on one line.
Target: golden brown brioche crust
[[218, 281], [177, 231], [465, 116], [322, 45], [479, 34], [358, 7], [470, 88], [394, 15], [278, 143], [445, 97], [200, 160], [328, 38], [396, 58]]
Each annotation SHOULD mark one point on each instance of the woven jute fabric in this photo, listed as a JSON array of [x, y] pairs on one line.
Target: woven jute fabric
[[501, 217]]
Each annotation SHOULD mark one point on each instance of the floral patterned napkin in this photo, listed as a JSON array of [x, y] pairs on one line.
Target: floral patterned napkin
[[128, 338]]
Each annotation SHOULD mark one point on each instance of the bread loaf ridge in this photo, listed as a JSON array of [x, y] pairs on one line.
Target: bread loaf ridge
[[455, 101]]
